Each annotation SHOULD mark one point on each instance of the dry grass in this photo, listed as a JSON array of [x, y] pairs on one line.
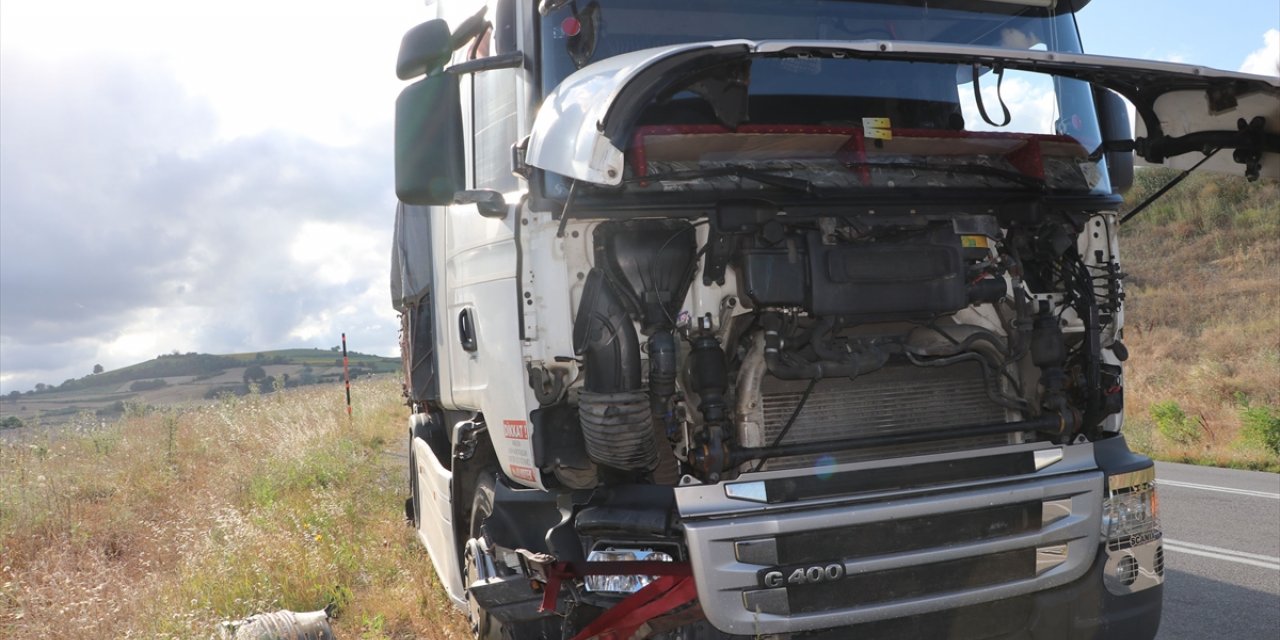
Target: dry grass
[[1203, 316], [163, 524]]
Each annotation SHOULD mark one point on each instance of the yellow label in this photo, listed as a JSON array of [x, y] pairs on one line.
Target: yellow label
[[878, 134], [974, 242], [877, 128]]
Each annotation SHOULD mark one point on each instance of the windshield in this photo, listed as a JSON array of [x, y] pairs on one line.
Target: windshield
[[839, 124]]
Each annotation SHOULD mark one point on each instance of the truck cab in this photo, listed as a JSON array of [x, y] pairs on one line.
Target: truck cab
[[784, 320]]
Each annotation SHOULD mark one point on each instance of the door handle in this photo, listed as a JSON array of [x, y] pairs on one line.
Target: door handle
[[467, 330]]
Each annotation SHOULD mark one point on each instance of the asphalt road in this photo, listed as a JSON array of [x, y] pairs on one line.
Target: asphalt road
[[1222, 552]]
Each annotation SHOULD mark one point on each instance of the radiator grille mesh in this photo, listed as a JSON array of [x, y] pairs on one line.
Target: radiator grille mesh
[[893, 400]]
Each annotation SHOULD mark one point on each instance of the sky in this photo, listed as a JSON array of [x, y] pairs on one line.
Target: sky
[[216, 177]]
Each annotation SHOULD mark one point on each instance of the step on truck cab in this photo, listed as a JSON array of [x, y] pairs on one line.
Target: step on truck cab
[[784, 319]]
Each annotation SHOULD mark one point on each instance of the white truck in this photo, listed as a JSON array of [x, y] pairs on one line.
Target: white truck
[[784, 319]]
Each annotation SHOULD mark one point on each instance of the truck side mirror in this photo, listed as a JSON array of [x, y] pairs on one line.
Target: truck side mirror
[[429, 155], [1117, 138], [424, 49]]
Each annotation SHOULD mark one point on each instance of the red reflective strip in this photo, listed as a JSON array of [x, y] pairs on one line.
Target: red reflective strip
[[550, 592], [624, 619]]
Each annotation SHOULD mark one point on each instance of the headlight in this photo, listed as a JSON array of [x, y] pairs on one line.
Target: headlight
[[1131, 533], [1131, 510], [622, 583]]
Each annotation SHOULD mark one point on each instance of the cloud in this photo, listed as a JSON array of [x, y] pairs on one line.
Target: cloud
[[129, 226], [318, 68], [1266, 60]]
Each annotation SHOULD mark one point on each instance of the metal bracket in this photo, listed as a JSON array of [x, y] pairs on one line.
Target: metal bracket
[[468, 437]]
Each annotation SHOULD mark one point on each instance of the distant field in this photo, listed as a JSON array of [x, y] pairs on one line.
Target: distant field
[[187, 379]]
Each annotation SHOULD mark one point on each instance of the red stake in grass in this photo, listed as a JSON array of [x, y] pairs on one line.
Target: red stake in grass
[[346, 374]]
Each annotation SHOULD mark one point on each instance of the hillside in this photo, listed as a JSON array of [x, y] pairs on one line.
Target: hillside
[[1203, 321], [182, 379]]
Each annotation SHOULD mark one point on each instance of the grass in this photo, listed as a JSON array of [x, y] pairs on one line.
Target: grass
[[1203, 321], [167, 522]]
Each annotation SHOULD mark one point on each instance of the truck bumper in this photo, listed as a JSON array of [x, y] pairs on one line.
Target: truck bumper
[[785, 555], [1080, 610]]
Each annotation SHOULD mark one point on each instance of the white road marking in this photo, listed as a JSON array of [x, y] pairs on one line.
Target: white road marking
[[1218, 553], [1209, 487]]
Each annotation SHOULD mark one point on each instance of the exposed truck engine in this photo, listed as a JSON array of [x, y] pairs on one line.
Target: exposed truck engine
[[778, 321]]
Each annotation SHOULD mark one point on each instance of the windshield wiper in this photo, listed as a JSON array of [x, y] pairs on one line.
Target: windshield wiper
[[763, 176], [971, 169]]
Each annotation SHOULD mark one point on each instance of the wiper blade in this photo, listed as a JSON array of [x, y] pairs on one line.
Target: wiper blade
[[971, 169], [763, 176]]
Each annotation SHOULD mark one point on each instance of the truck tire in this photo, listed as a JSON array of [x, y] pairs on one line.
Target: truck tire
[[413, 507], [483, 625], [417, 429]]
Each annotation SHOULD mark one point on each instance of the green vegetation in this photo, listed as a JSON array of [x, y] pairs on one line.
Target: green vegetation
[[167, 522], [1262, 427], [319, 357], [164, 366], [148, 385], [1203, 321], [1174, 424], [204, 366]]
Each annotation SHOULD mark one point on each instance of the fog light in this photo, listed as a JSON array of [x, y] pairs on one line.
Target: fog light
[[1127, 571], [622, 583]]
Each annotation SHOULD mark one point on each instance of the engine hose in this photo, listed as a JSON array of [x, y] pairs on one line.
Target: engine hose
[[618, 429], [790, 366], [987, 371], [606, 338], [975, 333], [613, 405], [662, 386]]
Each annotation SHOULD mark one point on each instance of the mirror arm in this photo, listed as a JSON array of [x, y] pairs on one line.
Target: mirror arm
[[1126, 145], [509, 60], [488, 202]]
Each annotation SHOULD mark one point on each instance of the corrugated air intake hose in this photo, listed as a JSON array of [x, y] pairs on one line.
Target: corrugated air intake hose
[[613, 406]]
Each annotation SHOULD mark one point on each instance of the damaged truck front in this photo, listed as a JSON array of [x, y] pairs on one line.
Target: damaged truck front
[[783, 319]]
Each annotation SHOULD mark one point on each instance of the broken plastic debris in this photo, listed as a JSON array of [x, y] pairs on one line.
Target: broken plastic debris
[[280, 625]]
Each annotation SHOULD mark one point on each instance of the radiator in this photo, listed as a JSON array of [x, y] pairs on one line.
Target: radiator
[[893, 400]]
